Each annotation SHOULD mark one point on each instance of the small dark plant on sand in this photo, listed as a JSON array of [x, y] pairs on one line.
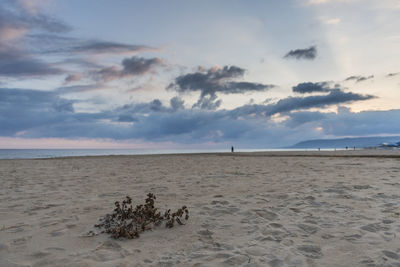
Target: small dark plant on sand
[[129, 222]]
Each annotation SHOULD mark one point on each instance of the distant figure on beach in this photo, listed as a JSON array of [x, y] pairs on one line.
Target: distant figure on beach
[[232, 149], [347, 147]]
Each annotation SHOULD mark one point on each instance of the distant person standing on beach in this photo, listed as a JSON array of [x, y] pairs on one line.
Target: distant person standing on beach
[[232, 149]]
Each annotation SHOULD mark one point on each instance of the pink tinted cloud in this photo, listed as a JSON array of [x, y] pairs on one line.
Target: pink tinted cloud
[[85, 143], [73, 78], [10, 33], [60, 143]]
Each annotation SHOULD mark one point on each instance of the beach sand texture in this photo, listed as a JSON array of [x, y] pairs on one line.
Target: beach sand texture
[[250, 209]]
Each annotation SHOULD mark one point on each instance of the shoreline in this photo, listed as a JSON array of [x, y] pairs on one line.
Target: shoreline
[[358, 153]]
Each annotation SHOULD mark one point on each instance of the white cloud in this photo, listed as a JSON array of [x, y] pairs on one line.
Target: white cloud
[[316, 2], [387, 4], [330, 21]]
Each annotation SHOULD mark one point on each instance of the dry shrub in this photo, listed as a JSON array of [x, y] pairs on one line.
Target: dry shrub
[[129, 223]]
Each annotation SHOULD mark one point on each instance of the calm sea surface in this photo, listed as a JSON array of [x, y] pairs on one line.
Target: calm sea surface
[[56, 153]]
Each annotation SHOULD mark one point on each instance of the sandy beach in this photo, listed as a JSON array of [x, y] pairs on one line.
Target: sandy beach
[[337, 208]]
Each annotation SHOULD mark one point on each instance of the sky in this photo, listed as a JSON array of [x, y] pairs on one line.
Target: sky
[[197, 74]]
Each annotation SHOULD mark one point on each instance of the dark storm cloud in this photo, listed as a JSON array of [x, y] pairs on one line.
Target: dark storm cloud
[[197, 126], [362, 123], [133, 66], [241, 87], [28, 36], [33, 113], [22, 109], [76, 49], [101, 47], [33, 100], [359, 78], [14, 17], [303, 117], [79, 62], [78, 88], [144, 108], [345, 123], [72, 78], [127, 118], [335, 96], [309, 87], [14, 63], [106, 74], [215, 80], [15, 21], [139, 65], [53, 43], [177, 103], [209, 102], [307, 53]]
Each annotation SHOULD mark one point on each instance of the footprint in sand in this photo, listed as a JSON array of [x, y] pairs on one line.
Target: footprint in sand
[[109, 245], [70, 226], [311, 251], [352, 238], [59, 232], [309, 229], [219, 210], [55, 249], [276, 263], [276, 225], [256, 251], [368, 262], [375, 227], [273, 235], [216, 202], [19, 227], [219, 256], [266, 214], [21, 241], [387, 221], [206, 235], [107, 251], [236, 260], [5, 262], [391, 254], [40, 254], [327, 236], [361, 187]]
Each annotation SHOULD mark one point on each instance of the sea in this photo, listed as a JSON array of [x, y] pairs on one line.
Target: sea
[[57, 153]]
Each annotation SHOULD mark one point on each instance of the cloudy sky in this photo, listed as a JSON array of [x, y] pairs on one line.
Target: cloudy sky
[[196, 74]]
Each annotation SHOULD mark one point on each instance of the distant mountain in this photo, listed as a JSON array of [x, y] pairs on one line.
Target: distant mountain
[[358, 142]]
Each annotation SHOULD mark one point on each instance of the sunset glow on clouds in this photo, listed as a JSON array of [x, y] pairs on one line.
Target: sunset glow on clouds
[[130, 74]]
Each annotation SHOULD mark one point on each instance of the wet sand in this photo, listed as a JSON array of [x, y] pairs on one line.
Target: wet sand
[[337, 208]]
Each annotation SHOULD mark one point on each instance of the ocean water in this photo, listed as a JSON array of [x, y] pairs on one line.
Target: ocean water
[[56, 153]]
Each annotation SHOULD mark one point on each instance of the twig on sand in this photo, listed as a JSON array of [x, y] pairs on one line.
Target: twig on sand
[[129, 223]]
